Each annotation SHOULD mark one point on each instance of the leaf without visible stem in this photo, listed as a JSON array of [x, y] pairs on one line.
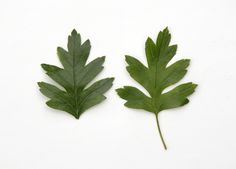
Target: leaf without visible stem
[[156, 77], [74, 78]]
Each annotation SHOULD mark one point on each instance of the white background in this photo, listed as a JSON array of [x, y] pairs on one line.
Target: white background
[[200, 135]]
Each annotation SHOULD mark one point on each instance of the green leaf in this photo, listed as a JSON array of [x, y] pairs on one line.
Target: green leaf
[[156, 77], [76, 96]]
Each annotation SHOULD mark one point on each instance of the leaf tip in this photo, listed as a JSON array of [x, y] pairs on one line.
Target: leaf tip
[[59, 49], [195, 85], [149, 39], [187, 60], [126, 104], [112, 79], [127, 58], [149, 43], [87, 41], [43, 65], [40, 84], [119, 90], [103, 58], [48, 103], [166, 29], [74, 32]]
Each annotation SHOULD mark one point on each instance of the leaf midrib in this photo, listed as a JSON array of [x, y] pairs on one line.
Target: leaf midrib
[[74, 83], [156, 88]]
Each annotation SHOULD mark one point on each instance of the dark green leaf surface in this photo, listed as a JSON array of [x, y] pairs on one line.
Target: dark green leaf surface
[[75, 97], [156, 77]]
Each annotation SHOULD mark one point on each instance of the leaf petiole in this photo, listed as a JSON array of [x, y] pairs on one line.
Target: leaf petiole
[[159, 130]]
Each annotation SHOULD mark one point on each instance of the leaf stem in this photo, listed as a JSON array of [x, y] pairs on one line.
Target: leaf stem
[[159, 130]]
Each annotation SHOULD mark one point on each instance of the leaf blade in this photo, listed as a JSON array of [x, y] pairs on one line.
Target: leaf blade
[[74, 78]]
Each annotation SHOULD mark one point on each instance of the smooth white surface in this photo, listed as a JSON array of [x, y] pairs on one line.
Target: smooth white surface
[[200, 135]]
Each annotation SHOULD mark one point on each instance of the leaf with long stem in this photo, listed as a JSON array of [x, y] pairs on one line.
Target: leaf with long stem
[[156, 77]]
